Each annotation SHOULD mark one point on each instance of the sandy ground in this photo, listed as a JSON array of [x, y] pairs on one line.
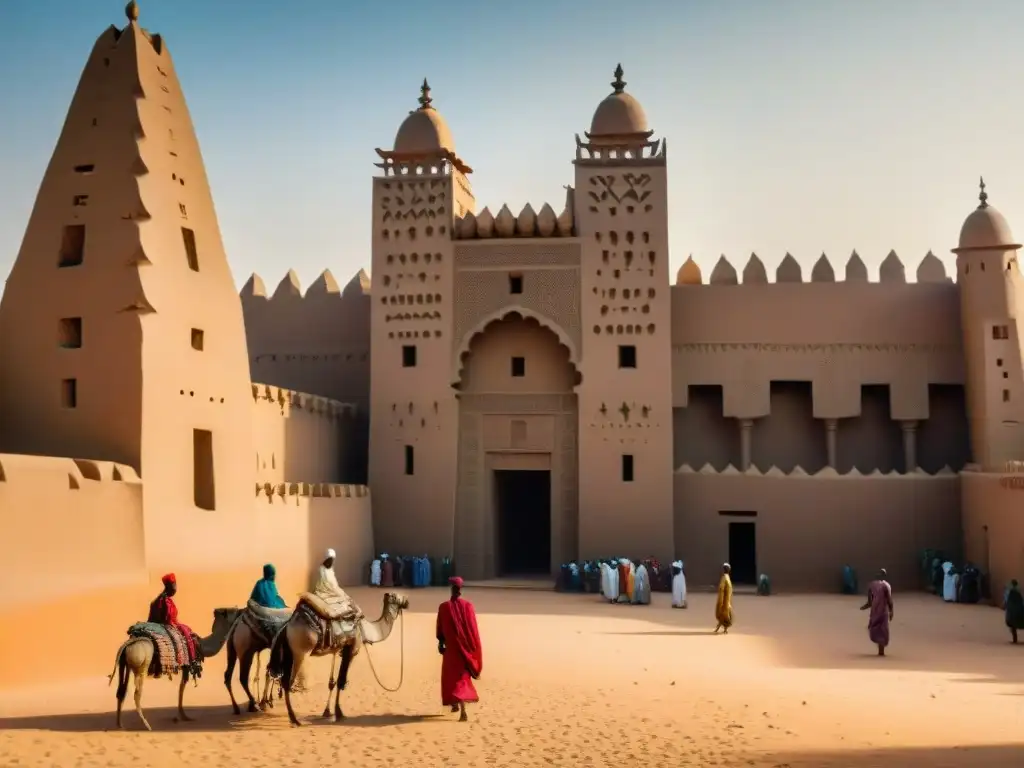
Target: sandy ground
[[572, 681]]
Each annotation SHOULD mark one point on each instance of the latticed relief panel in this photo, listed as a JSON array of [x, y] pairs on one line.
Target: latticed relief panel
[[413, 221], [620, 194], [551, 292]]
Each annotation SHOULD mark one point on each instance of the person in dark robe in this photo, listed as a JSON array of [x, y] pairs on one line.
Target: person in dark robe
[[1013, 606], [880, 603], [163, 611], [265, 592], [458, 642]]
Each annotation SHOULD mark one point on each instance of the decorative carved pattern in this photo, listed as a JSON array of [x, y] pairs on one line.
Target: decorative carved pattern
[[517, 255], [553, 294], [815, 348]]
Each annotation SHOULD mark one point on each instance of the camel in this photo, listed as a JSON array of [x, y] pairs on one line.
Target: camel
[[136, 655], [244, 646], [299, 640]]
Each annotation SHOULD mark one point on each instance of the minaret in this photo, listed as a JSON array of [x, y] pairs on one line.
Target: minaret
[[121, 331], [990, 305], [625, 398], [422, 188]]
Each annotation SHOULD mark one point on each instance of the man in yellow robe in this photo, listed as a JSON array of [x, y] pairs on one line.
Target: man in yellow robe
[[723, 605]]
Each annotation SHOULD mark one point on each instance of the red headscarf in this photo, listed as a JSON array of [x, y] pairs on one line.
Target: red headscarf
[[169, 579]]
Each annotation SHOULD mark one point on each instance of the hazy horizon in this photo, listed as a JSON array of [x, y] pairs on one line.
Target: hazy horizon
[[791, 126]]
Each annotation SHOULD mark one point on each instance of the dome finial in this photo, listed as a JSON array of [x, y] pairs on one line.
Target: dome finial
[[982, 195], [425, 99], [132, 11], [618, 84]]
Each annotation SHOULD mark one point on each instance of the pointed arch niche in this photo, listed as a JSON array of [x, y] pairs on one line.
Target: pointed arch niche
[[483, 360], [516, 374]]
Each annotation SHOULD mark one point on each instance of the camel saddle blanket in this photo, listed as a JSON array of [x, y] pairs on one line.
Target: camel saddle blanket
[[331, 633], [172, 654], [265, 622]]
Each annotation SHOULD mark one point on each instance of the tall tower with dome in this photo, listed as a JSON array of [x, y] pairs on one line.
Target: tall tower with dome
[[422, 187], [625, 397], [990, 300]]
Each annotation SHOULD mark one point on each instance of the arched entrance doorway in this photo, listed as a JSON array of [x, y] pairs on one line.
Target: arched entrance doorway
[[516, 507]]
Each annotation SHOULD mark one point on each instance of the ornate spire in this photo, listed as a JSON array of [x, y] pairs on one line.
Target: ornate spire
[[982, 195], [425, 95], [618, 84], [132, 11]]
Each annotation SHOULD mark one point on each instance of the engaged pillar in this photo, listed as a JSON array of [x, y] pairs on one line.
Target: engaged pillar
[[831, 425], [909, 446], [746, 427]]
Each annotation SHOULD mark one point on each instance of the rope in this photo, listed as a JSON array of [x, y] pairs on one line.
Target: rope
[[401, 668]]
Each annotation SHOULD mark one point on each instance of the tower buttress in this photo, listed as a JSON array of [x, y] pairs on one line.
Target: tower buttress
[[120, 329], [421, 191], [625, 398], [991, 306]]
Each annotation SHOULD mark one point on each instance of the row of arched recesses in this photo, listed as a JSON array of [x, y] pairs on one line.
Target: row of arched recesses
[[516, 353]]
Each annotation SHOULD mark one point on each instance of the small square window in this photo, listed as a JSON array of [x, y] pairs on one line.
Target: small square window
[[183, 210], [70, 332], [518, 366], [198, 337], [1006, 395], [69, 393], [515, 284], [1000, 332], [1006, 374], [627, 356], [999, 362], [410, 460], [80, 200], [409, 356], [627, 468]]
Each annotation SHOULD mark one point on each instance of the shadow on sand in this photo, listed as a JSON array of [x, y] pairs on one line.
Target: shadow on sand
[[990, 756], [205, 719]]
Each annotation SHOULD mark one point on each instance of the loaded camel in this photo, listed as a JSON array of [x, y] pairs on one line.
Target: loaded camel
[[308, 634], [244, 644], [136, 655]]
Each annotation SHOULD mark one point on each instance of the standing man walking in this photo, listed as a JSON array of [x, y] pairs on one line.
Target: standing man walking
[[458, 641]]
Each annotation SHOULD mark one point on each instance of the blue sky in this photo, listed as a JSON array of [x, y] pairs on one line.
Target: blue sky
[[792, 125]]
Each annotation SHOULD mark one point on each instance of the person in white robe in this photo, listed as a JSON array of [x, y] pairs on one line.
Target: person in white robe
[[678, 585], [613, 583], [328, 590], [948, 583], [642, 587]]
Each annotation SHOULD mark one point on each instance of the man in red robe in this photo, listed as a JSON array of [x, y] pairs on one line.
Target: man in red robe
[[164, 611], [458, 641]]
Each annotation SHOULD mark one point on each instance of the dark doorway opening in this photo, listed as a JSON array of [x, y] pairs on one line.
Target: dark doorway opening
[[522, 499], [743, 552]]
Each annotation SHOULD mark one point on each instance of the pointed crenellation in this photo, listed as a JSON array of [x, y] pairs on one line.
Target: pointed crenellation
[[324, 285], [289, 286], [931, 269], [359, 285], [822, 271], [485, 223], [504, 223], [254, 286], [528, 223], [689, 273], [892, 270], [856, 270], [754, 272], [789, 270], [724, 273]]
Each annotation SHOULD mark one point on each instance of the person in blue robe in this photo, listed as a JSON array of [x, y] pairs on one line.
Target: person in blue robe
[[265, 591]]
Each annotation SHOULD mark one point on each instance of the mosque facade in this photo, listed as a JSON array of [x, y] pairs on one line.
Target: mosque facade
[[516, 389]]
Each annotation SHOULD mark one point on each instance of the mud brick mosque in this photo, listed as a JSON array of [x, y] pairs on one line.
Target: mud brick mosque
[[515, 388]]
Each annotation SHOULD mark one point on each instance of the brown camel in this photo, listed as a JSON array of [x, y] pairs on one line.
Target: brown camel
[[299, 640], [136, 655], [244, 646]]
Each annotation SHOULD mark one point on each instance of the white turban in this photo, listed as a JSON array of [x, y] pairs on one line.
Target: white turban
[[331, 554]]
